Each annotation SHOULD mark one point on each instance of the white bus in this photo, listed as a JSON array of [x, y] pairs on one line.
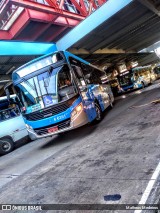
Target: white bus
[[12, 126]]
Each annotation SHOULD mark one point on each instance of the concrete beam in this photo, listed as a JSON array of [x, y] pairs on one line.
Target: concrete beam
[[12, 48], [100, 51], [106, 50], [79, 51], [105, 12]]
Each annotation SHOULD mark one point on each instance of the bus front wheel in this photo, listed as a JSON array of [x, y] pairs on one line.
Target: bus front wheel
[[6, 146]]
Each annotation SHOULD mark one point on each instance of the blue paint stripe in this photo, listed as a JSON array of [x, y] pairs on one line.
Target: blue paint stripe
[[127, 87], [12, 48]]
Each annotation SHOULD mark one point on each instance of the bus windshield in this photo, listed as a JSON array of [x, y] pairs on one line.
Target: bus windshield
[[125, 79], [157, 70], [46, 89]]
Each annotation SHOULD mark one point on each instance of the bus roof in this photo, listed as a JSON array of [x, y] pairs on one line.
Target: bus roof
[[34, 60], [139, 68], [66, 53]]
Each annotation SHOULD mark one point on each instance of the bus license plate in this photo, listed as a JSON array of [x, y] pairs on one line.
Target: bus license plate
[[52, 129]]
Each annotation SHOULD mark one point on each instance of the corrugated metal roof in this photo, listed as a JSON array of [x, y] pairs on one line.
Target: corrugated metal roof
[[133, 28], [103, 59]]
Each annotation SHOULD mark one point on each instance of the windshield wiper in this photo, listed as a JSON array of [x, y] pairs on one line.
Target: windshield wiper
[[31, 86]]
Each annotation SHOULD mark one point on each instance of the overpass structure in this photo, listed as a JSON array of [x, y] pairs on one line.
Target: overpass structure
[[42, 20], [113, 33]]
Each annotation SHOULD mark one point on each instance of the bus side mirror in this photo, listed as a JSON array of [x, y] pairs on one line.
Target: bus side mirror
[[10, 100], [87, 77], [6, 89], [88, 81]]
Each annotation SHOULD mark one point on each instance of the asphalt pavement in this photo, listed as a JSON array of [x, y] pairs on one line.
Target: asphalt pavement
[[117, 157]]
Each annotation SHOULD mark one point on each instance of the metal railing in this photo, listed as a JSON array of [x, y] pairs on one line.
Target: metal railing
[[10, 13], [67, 5], [7, 16], [2, 3], [5, 20]]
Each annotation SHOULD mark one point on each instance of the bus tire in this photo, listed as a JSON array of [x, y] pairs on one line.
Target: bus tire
[[6, 145], [99, 113], [111, 103], [143, 85]]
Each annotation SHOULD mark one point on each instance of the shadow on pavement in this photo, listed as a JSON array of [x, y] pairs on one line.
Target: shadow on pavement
[[72, 135]]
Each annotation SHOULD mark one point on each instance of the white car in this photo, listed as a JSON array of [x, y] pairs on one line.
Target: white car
[[12, 127]]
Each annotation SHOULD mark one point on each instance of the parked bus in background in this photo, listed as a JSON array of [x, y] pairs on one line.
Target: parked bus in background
[[60, 92], [157, 71], [136, 78], [147, 73], [12, 126]]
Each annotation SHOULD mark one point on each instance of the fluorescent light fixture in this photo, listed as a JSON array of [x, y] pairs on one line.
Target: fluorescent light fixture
[[134, 64], [123, 70], [10, 70], [4, 81], [157, 51]]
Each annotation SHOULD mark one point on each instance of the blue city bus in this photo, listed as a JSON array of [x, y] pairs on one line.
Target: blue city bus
[[157, 71], [59, 92], [135, 78]]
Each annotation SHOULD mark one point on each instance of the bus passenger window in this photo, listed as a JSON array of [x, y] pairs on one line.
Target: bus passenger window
[[68, 82], [79, 75], [77, 68]]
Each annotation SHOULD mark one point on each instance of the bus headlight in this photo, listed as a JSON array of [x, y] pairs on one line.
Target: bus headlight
[[76, 111], [29, 127]]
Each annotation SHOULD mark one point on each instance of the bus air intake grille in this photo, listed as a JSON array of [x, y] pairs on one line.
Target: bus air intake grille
[[61, 125], [51, 110], [47, 112]]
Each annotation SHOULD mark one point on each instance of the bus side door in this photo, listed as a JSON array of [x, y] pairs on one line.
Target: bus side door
[[99, 90], [87, 97], [101, 94]]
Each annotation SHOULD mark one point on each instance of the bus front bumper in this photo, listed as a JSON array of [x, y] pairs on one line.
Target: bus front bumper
[[78, 121]]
